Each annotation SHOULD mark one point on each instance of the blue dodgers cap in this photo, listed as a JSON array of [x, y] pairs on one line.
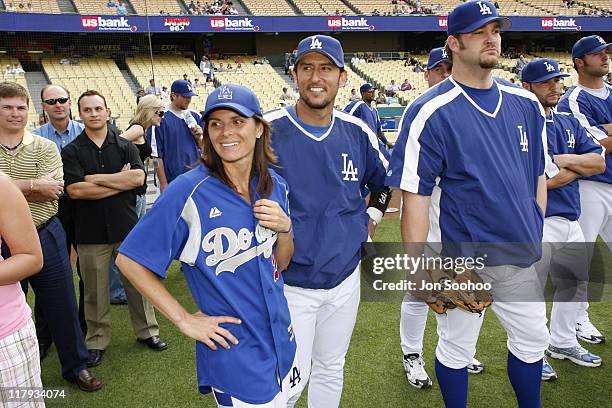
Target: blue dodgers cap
[[323, 44], [238, 98], [436, 56], [540, 70], [589, 45], [366, 87], [472, 15], [182, 87]]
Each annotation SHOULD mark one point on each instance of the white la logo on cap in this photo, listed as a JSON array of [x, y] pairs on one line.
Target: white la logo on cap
[[484, 9], [444, 54], [189, 87], [549, 67], [315, 44], [601, 40], [225, 93]]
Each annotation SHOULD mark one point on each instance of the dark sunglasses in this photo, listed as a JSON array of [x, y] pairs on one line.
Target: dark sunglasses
[[160, 114], [55, 100]]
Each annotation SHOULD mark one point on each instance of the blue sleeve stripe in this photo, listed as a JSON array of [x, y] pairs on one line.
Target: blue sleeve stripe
[[373, 139], [410, 177], [355, 106], [191, 216], [575, 108]]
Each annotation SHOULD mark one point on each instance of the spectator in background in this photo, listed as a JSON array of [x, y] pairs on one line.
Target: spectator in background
[[17, 69], [286, 96], [209, 84], [165, 97], [11, 8], [111, 4], [205, 65], [186, 78], [354, 95], [381, 98], [406, 86], [418, 69], [196, 83], [139, 94], [29, 8], [392, 89], [152, 89], [121, 9], [8, 70], [21, 7], [520, 63]]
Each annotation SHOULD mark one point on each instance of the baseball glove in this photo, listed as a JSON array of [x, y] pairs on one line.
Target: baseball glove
[[464, 290]]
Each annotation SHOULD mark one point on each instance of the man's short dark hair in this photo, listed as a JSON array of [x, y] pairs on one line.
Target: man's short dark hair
[[91, 92], [13, 90]]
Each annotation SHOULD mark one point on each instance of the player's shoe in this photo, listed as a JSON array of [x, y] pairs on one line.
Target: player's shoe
[[589, 333], [576, 354], [475, 367], [548, 373], [415, 371]]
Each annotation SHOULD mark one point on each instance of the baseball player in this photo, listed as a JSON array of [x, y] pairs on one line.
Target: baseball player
[[491, 169], [327, 157], [576, 154], [227, 222], [591, 103], [413, 311], [364, 110]]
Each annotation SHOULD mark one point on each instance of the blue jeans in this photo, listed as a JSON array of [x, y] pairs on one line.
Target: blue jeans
[[117, 293]]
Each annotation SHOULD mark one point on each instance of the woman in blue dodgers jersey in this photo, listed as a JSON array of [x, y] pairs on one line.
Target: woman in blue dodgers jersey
[[227, 222]]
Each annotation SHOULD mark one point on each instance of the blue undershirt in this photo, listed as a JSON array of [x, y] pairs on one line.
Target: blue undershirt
[[486, 99], [317, 131]]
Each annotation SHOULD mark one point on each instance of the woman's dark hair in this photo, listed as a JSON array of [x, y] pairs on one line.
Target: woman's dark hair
[[263, 156]]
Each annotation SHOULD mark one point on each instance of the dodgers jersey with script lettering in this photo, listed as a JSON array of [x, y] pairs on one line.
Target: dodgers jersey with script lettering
[[173, 143], [567, 136], [488, 164], [328, 212], [592, 108], [228, 261]]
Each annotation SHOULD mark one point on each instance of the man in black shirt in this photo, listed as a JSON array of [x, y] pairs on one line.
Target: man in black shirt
[[102, 172]]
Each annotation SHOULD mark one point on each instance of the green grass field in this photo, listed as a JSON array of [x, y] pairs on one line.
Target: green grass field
[[374, 376]]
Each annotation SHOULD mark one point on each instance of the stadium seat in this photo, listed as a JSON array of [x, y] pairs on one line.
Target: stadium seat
[[20, 79]]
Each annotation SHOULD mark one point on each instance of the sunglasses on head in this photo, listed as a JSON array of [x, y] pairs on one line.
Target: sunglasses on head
[[55, 100]]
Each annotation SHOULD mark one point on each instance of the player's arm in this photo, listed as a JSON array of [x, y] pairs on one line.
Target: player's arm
[[563, 178], [155, 137], [161, 174], [542, 195], [584, 165], [19, 234], [51, 185], [601, 132], [198, 326]]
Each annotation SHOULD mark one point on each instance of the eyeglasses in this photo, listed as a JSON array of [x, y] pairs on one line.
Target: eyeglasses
[[55, 100], [160, 114]]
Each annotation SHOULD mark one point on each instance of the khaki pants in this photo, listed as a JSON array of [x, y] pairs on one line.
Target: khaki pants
[[94, 261]]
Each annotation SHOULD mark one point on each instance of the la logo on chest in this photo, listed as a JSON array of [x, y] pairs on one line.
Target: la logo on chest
[[524, 141], [349, 170], [571, 139]]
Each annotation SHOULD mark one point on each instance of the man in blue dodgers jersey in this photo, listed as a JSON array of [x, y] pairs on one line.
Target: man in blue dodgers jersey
[[576, 154], [175, 142], [493, 190], [226, 221], [363, 110], [591, 103], [414, 311], [327, 157]]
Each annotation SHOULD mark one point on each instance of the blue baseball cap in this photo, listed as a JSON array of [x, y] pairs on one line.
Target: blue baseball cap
[[238, 98], [323, 44], [182, 87], [472, 15], [540, 70], [366, 87], [589, 45], [436, 56]]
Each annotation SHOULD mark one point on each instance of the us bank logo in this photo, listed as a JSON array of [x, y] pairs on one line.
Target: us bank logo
[[349, 24], [443, 22], [551, 23], [233, 24], [107, 24]]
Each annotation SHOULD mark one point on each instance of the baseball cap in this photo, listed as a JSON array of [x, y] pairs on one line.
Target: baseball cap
[[540, 70], [366, 87], [436, 56], [323, 44], [182, 87], [238, 98], [589, 45], [472, 15]]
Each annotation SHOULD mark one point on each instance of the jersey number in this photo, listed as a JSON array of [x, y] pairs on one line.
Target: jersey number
[[524, 140], [295, 378], [350, 171]]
